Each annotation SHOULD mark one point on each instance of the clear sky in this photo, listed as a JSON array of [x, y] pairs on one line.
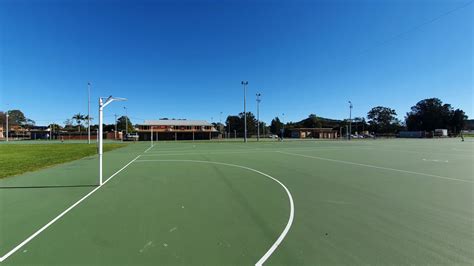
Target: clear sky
[[186, 59]]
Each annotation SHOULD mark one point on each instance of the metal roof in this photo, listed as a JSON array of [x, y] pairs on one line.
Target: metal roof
[[171, 122]]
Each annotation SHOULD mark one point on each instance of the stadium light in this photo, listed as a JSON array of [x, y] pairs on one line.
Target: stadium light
[[283, 125], [350, 119], [7, 124], [126, 120], [89, 113], [245, 83], [258, 115], [103, 102]]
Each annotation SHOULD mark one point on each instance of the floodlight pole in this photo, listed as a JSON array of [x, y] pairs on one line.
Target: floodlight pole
[[89, 113], [283, 125], [258, 115], [102, 105], [245, 83], [151, 127], [350, 119], [126, 120], [115, 115], [7, 124]]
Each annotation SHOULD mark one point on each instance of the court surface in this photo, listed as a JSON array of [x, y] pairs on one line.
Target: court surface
[[231, 203]]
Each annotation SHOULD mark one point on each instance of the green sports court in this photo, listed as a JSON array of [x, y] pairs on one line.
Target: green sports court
[[294, 202]]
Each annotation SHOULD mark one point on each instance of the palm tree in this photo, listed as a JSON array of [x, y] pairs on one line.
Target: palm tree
[[79, 118]]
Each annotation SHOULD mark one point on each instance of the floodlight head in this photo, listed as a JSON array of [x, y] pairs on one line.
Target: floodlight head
[[245, 82]]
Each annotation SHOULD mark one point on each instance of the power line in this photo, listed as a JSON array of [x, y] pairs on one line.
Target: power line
[[414, 28]]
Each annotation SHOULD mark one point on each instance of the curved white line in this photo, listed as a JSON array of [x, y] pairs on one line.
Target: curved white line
[[292, 205]]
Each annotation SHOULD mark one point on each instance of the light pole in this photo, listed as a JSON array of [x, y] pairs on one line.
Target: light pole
[[103, 102], [151, 135], [350, 119], [89, 113], [115, 115], [7, 124], [126, 120], [245, 83], [283, 127], [258, 115]]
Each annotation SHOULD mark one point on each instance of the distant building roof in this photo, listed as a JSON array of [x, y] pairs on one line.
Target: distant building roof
[[172, 122]]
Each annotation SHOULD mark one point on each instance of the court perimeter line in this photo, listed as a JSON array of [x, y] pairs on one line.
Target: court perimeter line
[[62, 214], [376, 167], [149, 148], [292, 206]]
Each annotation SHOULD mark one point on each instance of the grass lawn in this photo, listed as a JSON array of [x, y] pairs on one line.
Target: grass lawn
[[16, 159]]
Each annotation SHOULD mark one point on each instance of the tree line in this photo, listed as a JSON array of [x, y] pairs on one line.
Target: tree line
[[426, 115], [78, 122]]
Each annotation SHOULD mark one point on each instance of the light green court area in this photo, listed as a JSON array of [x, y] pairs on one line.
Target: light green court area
[[229, 203]]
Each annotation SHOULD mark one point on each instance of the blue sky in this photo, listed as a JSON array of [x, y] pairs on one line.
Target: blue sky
[[186, 59]]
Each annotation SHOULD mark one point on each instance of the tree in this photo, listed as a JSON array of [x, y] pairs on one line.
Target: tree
[[78, 118], [232, 123], [237, 123], [276, 125], [458, 119], [17, 118], [430, 114], [122, 122], [312, 122], [68, 124], [359, 124], [383, 120]]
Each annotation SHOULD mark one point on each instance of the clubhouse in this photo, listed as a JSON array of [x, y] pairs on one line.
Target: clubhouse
[[173, 129]]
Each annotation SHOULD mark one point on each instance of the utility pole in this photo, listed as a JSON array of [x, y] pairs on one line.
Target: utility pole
[[258, 115], [7, 124], [350, 119], [115, 115], [245, 83], [89, 113], [220, 124], [283, 127], [126, 120]]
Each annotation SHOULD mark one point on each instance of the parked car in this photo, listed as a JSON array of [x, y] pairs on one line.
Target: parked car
[[131, 137]]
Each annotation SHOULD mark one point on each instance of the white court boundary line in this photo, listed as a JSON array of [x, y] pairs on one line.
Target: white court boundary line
[[31, 237], [242, 151], [376, 167], [290, 198], [149, 148]]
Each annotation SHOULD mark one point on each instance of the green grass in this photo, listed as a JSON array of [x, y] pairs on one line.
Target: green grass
[[365, 202], [16, 159]]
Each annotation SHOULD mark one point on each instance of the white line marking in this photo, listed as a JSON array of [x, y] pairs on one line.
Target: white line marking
[[62, 214], [292, 206], [435, 160], [376, 167], [241, 151], [149, 148]]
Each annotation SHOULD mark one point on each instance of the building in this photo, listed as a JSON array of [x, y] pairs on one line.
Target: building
[[315, 133], [177, 130]]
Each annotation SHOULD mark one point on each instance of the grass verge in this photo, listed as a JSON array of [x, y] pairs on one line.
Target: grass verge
[[17, 159]]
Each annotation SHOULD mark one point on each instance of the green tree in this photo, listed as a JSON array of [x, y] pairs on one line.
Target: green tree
[[78, 118], [430, 114], [383, 120], [458, 119], [17, 118], [311, 122], [237, 123], [276, 125], [122, 122]]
